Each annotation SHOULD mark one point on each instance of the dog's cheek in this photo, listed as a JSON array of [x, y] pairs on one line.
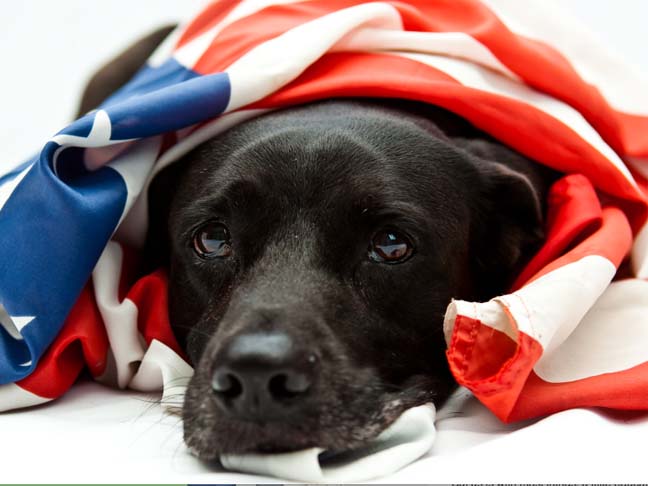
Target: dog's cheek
[[404, 318], [196, 305], [199, 420]]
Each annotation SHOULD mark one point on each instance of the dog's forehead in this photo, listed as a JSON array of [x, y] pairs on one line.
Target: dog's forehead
[[308, 161], [328, 157]]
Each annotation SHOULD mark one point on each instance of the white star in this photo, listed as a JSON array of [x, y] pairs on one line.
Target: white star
[[13, 324], [21, 321], [98, 137]]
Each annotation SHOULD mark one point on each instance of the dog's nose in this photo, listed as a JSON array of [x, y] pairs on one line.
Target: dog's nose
[[263, 375]]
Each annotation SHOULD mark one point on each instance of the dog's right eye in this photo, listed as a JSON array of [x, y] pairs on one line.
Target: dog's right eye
[[390, 246], [212, 240]]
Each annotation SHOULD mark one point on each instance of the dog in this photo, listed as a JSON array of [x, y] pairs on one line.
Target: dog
[[312, 253]]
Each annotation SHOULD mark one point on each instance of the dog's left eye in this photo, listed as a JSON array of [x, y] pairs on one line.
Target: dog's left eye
[[390, 246], [212, 240]]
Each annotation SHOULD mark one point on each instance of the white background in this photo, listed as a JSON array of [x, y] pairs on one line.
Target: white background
[[48, 49]]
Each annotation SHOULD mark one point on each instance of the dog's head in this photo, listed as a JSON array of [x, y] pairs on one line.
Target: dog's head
[[312, 255]]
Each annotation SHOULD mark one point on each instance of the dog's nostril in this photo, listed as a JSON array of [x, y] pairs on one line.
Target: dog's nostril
[[289, 385], [264, 376], [226, 384]]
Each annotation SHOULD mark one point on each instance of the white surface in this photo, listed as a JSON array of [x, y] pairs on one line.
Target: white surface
[[48, 50], [98, 434]]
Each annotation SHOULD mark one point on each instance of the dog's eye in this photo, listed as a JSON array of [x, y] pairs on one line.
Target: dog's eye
[[212, 240], [390, 246]]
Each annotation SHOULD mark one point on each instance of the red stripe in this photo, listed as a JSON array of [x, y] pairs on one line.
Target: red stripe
[[490, 364], [212, 15], [150, 295], [243, 35], [500, 373], [577, 227], [625, 390], [515, 123], [634, 130], [547, 70], [538, 64], [642, 181], [82, 341], [612, 240]]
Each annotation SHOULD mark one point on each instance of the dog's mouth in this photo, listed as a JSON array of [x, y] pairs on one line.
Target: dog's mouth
[[274, 438], [348, 419]]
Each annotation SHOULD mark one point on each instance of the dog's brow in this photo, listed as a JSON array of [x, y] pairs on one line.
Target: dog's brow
[[209, 202], [377, 206], [242, 189], [225, 198], [404, 211]]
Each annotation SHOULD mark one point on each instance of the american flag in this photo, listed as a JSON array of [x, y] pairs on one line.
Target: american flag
[[572, 332]]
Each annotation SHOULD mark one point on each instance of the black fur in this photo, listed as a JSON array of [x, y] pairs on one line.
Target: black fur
[[302, 191]]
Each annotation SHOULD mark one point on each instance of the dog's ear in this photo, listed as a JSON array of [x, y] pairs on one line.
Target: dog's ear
[[119, 70], [510, 226], [161, 192]]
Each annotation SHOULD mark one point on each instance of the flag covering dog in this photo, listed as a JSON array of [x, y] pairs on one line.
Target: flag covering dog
[[572, 332]]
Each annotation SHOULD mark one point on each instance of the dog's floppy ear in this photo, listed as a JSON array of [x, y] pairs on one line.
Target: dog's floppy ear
[[161, 192], [108, 79], [510, 226], [119, 70]]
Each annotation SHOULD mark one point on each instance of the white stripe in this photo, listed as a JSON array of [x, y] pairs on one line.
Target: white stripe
[[475, 76], [12, 397], [96, 157], [548, 309], [612, 337], [165, 49], [273, 64], [191, 52], [571, 290], [453, 44], [134, 166], [120, 318], [624, 86], [488, 313], [640, 254], [162, 369]]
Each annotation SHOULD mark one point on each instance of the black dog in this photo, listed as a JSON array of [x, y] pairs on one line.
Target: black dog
[[312, 254]]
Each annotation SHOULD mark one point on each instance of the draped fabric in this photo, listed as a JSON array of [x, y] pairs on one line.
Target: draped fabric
[[572, 332]]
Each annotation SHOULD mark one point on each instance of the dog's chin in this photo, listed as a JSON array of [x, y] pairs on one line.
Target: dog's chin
[[333, 427]]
